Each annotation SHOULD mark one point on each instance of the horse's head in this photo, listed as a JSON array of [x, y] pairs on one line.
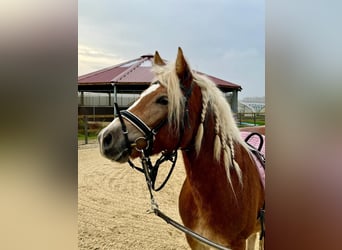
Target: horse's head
[[160, 119]]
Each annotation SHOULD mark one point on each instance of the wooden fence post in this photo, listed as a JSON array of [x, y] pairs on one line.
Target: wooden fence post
[[85, 121]]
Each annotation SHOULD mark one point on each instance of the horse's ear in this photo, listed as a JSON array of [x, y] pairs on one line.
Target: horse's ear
[[182, 68], [158, 60]]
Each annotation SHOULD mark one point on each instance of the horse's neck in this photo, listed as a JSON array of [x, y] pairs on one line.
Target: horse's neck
[[201, 167], [208, 182], [203, 171]]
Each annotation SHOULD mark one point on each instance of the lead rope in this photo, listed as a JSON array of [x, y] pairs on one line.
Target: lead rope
[[155, 209]]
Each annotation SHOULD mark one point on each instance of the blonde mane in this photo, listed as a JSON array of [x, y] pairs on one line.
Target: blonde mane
[[226, 131]]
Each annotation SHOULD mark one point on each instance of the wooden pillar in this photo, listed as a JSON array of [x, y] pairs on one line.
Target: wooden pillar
[[85, 122], [115, 97], [234, 102], [82, 98]]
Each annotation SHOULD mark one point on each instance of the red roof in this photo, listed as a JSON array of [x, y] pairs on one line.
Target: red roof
[[138, 72]]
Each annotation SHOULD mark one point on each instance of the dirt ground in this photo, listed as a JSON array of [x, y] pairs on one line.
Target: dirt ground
[[112, 204]]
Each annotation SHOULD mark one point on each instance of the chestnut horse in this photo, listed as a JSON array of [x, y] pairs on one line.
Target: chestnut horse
[[222, 192]]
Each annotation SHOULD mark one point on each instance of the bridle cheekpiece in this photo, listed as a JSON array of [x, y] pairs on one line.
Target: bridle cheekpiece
[[144, 145]]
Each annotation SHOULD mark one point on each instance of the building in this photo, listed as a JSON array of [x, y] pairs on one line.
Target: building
[[124, 82]]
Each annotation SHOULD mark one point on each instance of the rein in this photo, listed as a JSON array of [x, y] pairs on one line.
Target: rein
[[168, 220]]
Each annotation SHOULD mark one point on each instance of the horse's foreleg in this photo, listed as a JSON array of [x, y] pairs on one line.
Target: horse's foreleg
[[188, 213], [195, 244]]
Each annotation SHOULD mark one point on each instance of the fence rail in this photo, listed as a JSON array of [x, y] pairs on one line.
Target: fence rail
[[250, 119], [91, 124], [98, 118]]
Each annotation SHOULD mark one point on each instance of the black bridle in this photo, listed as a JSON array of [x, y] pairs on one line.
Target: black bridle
[[144, 145]]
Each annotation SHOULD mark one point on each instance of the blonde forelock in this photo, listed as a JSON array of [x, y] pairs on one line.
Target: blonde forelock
[[168, 78]]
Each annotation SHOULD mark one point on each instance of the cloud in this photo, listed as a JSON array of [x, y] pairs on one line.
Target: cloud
[[91, 59], [238, 54], [224, 39]]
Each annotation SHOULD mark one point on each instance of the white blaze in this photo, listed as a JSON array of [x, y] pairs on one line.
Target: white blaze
[[148, 91]]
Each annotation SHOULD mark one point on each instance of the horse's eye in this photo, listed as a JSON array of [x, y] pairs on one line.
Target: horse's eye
[[163, 100]]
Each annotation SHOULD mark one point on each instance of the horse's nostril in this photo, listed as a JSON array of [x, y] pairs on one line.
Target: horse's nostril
[[107, 140]]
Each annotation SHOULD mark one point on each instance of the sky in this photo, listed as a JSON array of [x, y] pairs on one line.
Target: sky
[[222, 38]]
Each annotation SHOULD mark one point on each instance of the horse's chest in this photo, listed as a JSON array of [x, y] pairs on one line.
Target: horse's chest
[[208, 231]]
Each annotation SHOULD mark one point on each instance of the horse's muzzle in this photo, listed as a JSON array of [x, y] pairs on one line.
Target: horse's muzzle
[[111, 147]]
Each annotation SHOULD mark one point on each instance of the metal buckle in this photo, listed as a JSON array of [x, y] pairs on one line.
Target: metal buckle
[[140, 144]]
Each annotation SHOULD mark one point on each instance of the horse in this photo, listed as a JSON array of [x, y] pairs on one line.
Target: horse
[[222, 193]]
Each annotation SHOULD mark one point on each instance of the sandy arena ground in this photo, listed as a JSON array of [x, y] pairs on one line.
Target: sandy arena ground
[[112, 204]]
